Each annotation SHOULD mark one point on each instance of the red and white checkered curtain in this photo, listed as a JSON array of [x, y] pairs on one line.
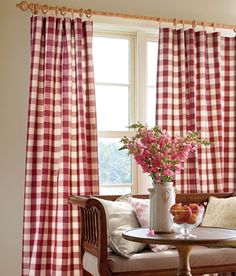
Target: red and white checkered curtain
[[61, 144], [196, 90]]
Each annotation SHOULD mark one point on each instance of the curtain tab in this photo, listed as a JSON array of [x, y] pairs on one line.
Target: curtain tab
[[194, 24], [89, 13], [174, 23], [63, 11], [203, 25], [81, 13], [213, 26], [159, 20], [45, 9], [34, 8]]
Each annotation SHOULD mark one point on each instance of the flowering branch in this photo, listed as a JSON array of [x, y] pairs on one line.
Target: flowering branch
[[157, 153]]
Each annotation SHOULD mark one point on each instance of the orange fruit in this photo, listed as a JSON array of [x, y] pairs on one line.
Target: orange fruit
[[195, 208], [185, 212], [175, 208], [177, 219], [192, 219]]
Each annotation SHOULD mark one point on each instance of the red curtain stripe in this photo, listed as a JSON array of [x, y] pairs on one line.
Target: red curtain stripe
[[196, 81], [61, 156]]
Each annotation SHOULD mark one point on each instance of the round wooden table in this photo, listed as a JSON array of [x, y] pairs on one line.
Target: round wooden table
[[204, 236]]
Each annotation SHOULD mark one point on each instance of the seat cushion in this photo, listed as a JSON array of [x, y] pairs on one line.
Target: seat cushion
[[148, 260], [90, 264]]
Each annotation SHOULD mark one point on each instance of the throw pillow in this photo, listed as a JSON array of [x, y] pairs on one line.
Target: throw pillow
[[220, 212], [120, 214], [121, 246]]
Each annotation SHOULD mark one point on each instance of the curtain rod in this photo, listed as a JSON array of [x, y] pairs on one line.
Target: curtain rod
[[35, 8]]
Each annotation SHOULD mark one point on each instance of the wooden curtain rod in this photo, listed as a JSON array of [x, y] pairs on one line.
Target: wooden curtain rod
[[35, 8]]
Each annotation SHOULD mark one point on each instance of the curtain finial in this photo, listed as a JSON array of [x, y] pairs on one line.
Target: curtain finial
[[23, 5]]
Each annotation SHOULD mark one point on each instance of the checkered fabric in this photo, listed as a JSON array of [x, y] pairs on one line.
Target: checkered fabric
[[196, 90], [61, 154]]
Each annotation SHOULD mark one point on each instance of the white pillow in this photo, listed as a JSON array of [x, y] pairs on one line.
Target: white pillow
[[121, 246], [120, 216], [220, 212], [117, 214]]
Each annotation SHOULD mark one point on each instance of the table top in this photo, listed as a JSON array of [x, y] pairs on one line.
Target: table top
[[205, 235]]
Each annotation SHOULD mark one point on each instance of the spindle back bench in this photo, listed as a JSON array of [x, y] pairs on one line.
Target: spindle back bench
[[103, 262]]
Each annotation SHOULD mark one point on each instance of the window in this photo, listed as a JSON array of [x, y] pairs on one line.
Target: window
[[125, 94]]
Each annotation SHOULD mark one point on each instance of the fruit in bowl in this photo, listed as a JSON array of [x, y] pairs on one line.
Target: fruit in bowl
[[185, 218]]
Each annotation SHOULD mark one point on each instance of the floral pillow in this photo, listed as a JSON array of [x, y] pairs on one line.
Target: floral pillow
[[142, 210]]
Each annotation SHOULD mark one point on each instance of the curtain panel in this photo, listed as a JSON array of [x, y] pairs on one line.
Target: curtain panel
[[61, 156], [196, 90]]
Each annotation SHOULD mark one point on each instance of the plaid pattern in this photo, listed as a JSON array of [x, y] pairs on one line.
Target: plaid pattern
[[61, 154], [196, 83]]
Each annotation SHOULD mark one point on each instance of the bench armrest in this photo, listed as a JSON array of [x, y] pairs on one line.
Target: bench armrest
[[93, 226]]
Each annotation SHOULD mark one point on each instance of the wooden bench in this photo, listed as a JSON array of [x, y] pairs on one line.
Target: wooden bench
[[94, 244]]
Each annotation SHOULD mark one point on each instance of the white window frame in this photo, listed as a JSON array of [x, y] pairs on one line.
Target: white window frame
[[138, 89]]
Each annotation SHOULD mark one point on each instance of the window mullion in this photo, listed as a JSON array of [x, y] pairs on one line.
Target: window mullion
[[114, 134], [140, 100], [141, 77]]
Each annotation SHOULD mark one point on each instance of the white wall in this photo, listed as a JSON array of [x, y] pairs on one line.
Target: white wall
[[14, 71], [14, 77]]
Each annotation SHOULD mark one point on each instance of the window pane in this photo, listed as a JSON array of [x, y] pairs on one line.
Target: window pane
[[119, 190], [111, 60], [112, 107], [151, 110], [114, 166], [152, 62]]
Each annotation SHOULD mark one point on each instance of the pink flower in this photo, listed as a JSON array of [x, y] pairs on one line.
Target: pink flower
[[164, 140], [151, 233], [168, 172], [179, 167], [157, 153]]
